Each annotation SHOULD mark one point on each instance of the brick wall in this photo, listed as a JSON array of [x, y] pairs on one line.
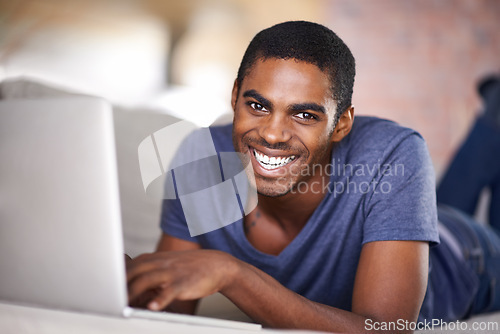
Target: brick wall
[[418, 62]]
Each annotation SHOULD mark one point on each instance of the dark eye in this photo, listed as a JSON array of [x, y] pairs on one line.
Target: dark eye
[[306, 116], [257, 106]]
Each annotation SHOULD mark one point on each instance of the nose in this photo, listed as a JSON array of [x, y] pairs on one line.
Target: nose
[[275, 129]]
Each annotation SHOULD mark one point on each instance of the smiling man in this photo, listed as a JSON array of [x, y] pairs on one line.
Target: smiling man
[[339, 239], [284, 133]]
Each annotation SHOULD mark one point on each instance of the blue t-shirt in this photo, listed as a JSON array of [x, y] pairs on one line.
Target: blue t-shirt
[[381, 188]]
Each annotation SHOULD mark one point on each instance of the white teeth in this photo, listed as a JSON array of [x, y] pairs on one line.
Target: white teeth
[[272, 162]]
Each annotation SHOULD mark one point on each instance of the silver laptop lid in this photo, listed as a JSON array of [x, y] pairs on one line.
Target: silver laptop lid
[[61, 241]]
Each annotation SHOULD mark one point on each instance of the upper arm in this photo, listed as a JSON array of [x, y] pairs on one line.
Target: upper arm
[[170, 243], [391, 280]]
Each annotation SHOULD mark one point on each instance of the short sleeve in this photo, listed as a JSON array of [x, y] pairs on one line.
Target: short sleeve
[[207, 185], [197, 148], [402, 205], [173, 221]]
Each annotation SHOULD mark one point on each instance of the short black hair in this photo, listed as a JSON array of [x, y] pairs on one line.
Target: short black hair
[[309, 42]]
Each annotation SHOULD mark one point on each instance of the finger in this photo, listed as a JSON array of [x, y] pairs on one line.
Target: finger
[[164, 298], [142, 300], [127, 259], [148, 281], [143, 264]]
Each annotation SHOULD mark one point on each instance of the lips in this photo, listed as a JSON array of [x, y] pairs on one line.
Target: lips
[[272, 162]]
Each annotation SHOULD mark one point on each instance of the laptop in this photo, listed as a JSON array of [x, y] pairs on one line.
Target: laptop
[[61, 243]]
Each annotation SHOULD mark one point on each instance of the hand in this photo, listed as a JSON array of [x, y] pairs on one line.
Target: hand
[[155, 280]]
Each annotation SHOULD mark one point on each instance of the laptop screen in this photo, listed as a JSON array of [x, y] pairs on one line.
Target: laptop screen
[[61, 242]]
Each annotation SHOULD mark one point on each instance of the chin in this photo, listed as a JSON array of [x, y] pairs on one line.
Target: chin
[[272, 194], [273, 190]]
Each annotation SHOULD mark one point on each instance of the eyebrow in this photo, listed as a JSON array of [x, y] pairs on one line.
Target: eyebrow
[[294, 107], [308, 106], [262, 100]]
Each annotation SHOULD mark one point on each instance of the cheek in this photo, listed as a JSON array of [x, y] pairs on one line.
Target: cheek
[[243, 122], [314, 137], [238, 128], [241, 127], [318, 144]]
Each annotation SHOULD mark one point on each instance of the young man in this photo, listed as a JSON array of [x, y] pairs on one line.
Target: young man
[[339, 238]]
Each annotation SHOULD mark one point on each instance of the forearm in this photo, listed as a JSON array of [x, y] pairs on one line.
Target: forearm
[[396, 294], [265, 300]]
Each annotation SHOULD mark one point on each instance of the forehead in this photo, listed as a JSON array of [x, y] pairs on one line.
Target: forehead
[[288, 80]]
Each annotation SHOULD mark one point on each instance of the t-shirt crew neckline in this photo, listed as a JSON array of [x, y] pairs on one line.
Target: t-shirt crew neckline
[[295, 243]]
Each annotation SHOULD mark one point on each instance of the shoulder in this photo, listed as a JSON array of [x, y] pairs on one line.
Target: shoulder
[[378, 131], [222, 137], [372, 136], [204, 142]]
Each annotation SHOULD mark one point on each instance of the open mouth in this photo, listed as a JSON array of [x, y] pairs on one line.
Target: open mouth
[[270, 163]]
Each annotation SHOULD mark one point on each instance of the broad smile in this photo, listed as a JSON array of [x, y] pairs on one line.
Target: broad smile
[[272, 162]]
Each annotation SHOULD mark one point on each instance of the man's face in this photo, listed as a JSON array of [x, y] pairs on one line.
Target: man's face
[[283, 123]]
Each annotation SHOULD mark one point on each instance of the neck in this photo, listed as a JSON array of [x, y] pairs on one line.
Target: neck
[[293, 210]]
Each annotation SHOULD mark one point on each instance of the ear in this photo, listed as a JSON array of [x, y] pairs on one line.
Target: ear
[[344, 125], [234, 95]]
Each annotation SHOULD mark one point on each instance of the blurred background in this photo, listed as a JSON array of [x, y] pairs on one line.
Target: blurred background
[[418, 62]]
